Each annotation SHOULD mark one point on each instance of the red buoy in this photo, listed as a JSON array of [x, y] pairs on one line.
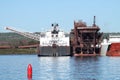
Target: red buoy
[[29, 71]]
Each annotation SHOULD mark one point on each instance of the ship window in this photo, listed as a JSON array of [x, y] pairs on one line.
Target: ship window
[[52, 35], [56, 35]]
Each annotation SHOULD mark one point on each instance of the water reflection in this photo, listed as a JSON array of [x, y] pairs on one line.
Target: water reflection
[[54, 68], [79, 68], [68, 68], [109, 68], [85, 68], [60, 68]]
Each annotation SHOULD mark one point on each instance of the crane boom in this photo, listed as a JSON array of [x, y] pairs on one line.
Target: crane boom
[[26, 34]]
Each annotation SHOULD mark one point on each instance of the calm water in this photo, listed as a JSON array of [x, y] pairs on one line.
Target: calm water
[[14, 67]]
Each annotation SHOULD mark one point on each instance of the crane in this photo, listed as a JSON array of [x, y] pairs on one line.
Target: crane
[[26, 34]]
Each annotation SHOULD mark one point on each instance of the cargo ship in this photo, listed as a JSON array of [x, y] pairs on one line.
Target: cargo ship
[[111, 46], [54, 42], [85, 40]]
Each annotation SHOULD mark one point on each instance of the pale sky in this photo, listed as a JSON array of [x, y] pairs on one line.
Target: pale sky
[[38, 15]]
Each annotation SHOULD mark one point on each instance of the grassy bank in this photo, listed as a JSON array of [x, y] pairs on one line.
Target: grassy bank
[[18, 51]]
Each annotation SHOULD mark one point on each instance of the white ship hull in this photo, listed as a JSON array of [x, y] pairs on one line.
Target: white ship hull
[[104, 49]]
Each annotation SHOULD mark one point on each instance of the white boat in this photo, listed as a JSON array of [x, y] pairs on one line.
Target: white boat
[[54, 42]]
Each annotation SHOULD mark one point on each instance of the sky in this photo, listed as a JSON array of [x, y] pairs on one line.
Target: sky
[[38, 15]]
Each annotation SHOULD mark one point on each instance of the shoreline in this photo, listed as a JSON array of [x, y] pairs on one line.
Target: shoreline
[[18, 51]]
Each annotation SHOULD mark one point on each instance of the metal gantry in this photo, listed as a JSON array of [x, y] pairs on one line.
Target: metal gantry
[[85, 39]]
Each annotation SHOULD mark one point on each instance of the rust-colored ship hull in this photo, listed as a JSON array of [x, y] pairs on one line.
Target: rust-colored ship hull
[[114, 50]]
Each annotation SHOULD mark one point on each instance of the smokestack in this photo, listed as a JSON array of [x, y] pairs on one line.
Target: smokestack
[[94, 21]]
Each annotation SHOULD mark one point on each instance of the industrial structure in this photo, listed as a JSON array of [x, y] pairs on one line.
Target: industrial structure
[[28, 35], [85, 40]]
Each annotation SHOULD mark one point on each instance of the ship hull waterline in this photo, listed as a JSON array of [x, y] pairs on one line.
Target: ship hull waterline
[[54, 51]]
